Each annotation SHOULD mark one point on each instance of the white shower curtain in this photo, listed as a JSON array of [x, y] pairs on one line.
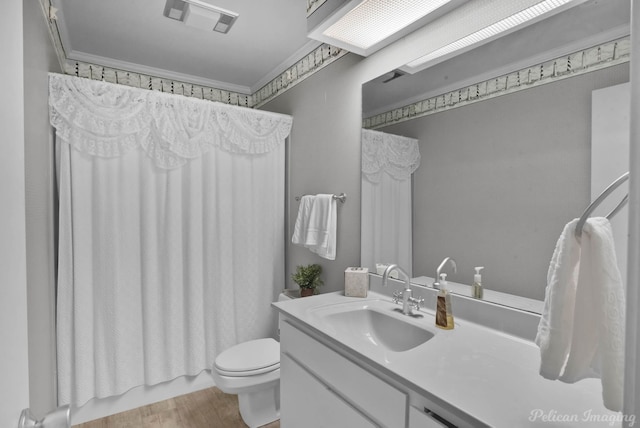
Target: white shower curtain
[[387, 164], [171, 239]]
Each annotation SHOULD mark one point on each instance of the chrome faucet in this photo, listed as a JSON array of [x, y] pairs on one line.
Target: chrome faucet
[[408, 301], [436, 282]]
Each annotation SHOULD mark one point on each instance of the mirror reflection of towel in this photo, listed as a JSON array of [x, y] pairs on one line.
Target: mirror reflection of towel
[[316, 225], [581, 332]]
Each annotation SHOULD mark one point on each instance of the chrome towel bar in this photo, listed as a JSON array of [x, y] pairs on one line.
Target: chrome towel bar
[[606, 192], [342, 197]]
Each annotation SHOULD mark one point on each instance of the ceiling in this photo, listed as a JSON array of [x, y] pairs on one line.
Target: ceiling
[[271, 35], [134, 35]]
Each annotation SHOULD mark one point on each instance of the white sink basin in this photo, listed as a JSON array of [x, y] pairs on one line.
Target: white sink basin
[[374, 323]]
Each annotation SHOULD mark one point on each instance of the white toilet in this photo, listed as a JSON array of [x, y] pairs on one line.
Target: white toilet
[[252, 371]]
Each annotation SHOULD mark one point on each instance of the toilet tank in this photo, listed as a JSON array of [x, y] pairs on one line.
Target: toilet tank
[[288, 294], [285, 295]]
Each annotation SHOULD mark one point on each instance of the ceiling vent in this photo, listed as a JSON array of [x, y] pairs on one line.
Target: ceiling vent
[[395, 74], [198, 14]]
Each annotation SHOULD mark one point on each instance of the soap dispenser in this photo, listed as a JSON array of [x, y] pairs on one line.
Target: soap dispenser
[[476, 288], [444, 316]]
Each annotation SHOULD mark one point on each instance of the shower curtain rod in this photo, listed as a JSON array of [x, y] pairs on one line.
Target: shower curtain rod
[[606, 192]]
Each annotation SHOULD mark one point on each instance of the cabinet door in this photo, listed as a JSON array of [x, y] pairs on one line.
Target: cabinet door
[[306, 402], [381, 402]]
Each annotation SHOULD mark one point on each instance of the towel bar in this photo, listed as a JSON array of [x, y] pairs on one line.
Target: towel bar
[[606, 192], [342, 197]]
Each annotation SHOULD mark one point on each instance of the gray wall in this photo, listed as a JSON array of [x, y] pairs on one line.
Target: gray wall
[[39, 59], [324, 157], [499, 179], [14, 388]]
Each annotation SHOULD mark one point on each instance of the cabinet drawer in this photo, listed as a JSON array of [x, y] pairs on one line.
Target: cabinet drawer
[[310, 404], [371, 395], [420, 419]]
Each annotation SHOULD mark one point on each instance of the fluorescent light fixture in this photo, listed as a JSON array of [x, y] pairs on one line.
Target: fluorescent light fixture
[[488, 32], [372, 21], [366, 26]]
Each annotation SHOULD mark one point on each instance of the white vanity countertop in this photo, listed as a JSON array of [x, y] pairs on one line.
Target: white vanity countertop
[[491, 376]]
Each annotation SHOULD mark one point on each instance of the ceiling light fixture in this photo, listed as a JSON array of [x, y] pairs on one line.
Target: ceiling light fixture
[[490, 32], [198, 14], [365, 26], [374, 20]]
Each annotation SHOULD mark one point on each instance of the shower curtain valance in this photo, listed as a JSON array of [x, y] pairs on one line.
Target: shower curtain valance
[[396, 155], [108, 120]]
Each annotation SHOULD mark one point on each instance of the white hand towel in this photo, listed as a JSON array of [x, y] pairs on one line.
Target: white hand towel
[[302, 221], [581, 333], [316, 225], [556, 323]]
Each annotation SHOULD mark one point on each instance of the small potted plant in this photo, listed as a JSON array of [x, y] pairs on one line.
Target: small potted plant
[[308, 279]]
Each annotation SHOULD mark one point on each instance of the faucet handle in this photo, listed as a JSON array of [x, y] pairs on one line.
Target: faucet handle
[[416, 302], [397, 296]]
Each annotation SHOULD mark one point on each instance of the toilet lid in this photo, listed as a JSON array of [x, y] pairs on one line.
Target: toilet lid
[[250, 356]]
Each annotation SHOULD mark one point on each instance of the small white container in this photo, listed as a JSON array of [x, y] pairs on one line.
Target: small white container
[[356, 282], [476, 288]]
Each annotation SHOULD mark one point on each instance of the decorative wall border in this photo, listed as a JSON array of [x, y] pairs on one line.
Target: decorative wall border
[[313, 5], [311, 63], [142, 81], [581, 62], [321, 57]]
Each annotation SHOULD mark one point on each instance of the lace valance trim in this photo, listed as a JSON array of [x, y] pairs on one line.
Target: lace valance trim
[[107, 120], [396, 155]]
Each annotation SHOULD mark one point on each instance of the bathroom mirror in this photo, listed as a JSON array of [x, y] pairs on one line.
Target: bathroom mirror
[[504, 135]]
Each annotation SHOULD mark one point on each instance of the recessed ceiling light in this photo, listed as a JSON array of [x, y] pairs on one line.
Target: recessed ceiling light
[[372, 21], [488, 32]]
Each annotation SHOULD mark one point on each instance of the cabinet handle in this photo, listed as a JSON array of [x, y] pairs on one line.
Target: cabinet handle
[[439, 418]]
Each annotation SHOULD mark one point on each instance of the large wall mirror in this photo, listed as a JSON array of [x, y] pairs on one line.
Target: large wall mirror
[[504, 135]]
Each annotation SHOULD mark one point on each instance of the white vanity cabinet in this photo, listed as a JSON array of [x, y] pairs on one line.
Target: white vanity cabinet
[[307, 402], [321, 388], [338, 369]]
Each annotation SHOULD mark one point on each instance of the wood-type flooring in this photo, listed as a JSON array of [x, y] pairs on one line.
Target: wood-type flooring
[[209, 408]]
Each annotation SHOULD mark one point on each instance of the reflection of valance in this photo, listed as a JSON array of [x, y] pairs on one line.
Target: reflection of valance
[[397, 156], [107, 120]]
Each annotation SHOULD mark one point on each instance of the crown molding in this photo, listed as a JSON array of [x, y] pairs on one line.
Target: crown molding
[[305, 67], [153, 71], [309, 59], [154, 83], [308, 47], [50, 14], [313, 5]]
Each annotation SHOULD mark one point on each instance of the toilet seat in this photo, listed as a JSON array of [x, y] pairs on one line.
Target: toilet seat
[[249, 358]]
